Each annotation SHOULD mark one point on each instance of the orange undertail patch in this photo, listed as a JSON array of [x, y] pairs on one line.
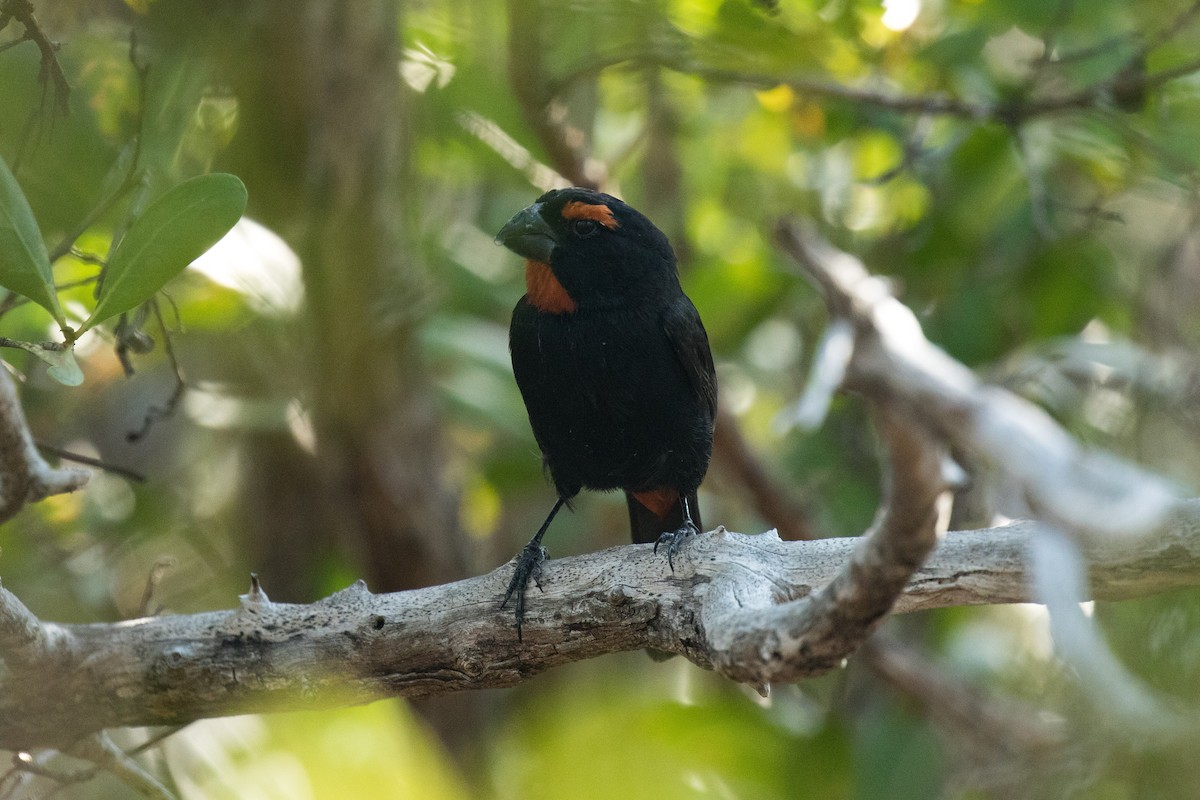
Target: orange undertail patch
[[659, 501], [597, 212], [544, 291]]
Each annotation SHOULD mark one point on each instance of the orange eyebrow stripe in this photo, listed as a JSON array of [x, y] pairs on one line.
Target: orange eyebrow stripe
[[597, 212]]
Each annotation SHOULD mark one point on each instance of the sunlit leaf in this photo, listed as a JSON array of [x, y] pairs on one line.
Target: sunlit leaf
[[174, 230], [24, 263]]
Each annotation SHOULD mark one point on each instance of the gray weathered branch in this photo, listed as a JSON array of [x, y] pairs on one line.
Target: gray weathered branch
[[25, 477], [779, 639], [1088, 492], [1099, 500], [356, 646]]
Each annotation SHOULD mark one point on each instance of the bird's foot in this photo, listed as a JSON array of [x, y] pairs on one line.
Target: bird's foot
[[674, 540], [529, 567]]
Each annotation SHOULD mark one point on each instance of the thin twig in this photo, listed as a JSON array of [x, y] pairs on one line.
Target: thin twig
[[66, 780], [87, 258], [1011, 111], [104, 752], [155, 413], [160, 568], [132, 179], [936, 104], [100, 464], [22, 11], [1061, 17], [1092, 51], [1171, 29], [26, 763], [156, 739], [1039, 195], [830, 361], [20, 344], [493, 136], [1058, 577], [13, 781], [14, 43], [13, 300]]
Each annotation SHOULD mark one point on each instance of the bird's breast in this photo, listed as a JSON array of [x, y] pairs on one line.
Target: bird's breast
[[607, 399]]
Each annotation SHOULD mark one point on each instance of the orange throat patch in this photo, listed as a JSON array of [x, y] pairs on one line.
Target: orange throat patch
[[659, 501], [544, 291]]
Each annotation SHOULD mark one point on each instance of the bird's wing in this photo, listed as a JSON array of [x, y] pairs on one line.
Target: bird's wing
[[681, 323]]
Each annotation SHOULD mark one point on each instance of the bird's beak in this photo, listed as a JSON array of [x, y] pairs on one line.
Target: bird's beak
[[528, 234]]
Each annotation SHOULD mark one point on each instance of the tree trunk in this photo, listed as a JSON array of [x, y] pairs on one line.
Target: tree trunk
[[321, 145]]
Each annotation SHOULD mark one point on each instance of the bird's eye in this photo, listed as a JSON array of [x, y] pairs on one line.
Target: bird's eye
[[585, 227]]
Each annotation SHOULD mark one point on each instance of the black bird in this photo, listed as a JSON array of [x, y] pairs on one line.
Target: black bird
[[613, 364]]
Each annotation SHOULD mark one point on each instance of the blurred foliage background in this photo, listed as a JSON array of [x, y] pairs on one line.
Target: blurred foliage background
[[336, 399]]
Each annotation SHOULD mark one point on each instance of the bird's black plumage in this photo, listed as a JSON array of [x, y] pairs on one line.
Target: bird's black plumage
[[613, 363]]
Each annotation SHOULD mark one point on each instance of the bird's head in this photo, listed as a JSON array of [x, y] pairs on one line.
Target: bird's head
[[588, 249]]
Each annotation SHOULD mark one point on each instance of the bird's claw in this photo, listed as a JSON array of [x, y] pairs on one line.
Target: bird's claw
[[674, 540], [529, 567]]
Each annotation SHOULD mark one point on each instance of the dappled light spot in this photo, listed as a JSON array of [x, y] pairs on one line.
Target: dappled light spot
[[256, 263], [899, 15]]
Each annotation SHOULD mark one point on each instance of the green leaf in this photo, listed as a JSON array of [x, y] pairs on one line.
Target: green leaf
[[61, 360], [63, 367], [24, 263], [171, 233]]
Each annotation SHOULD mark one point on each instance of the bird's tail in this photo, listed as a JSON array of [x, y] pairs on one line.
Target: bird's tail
[[646, 523]]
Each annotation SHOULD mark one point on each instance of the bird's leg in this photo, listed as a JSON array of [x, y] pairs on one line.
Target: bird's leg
[[529, 565], [673, 540]]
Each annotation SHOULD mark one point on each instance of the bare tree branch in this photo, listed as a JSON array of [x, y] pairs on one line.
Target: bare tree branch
[[1010, 111], [779, 639], [1058, 579], [1103, 502], [831, 359], [23, 639], [1087, 492], [356, 646], [25, 477]]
